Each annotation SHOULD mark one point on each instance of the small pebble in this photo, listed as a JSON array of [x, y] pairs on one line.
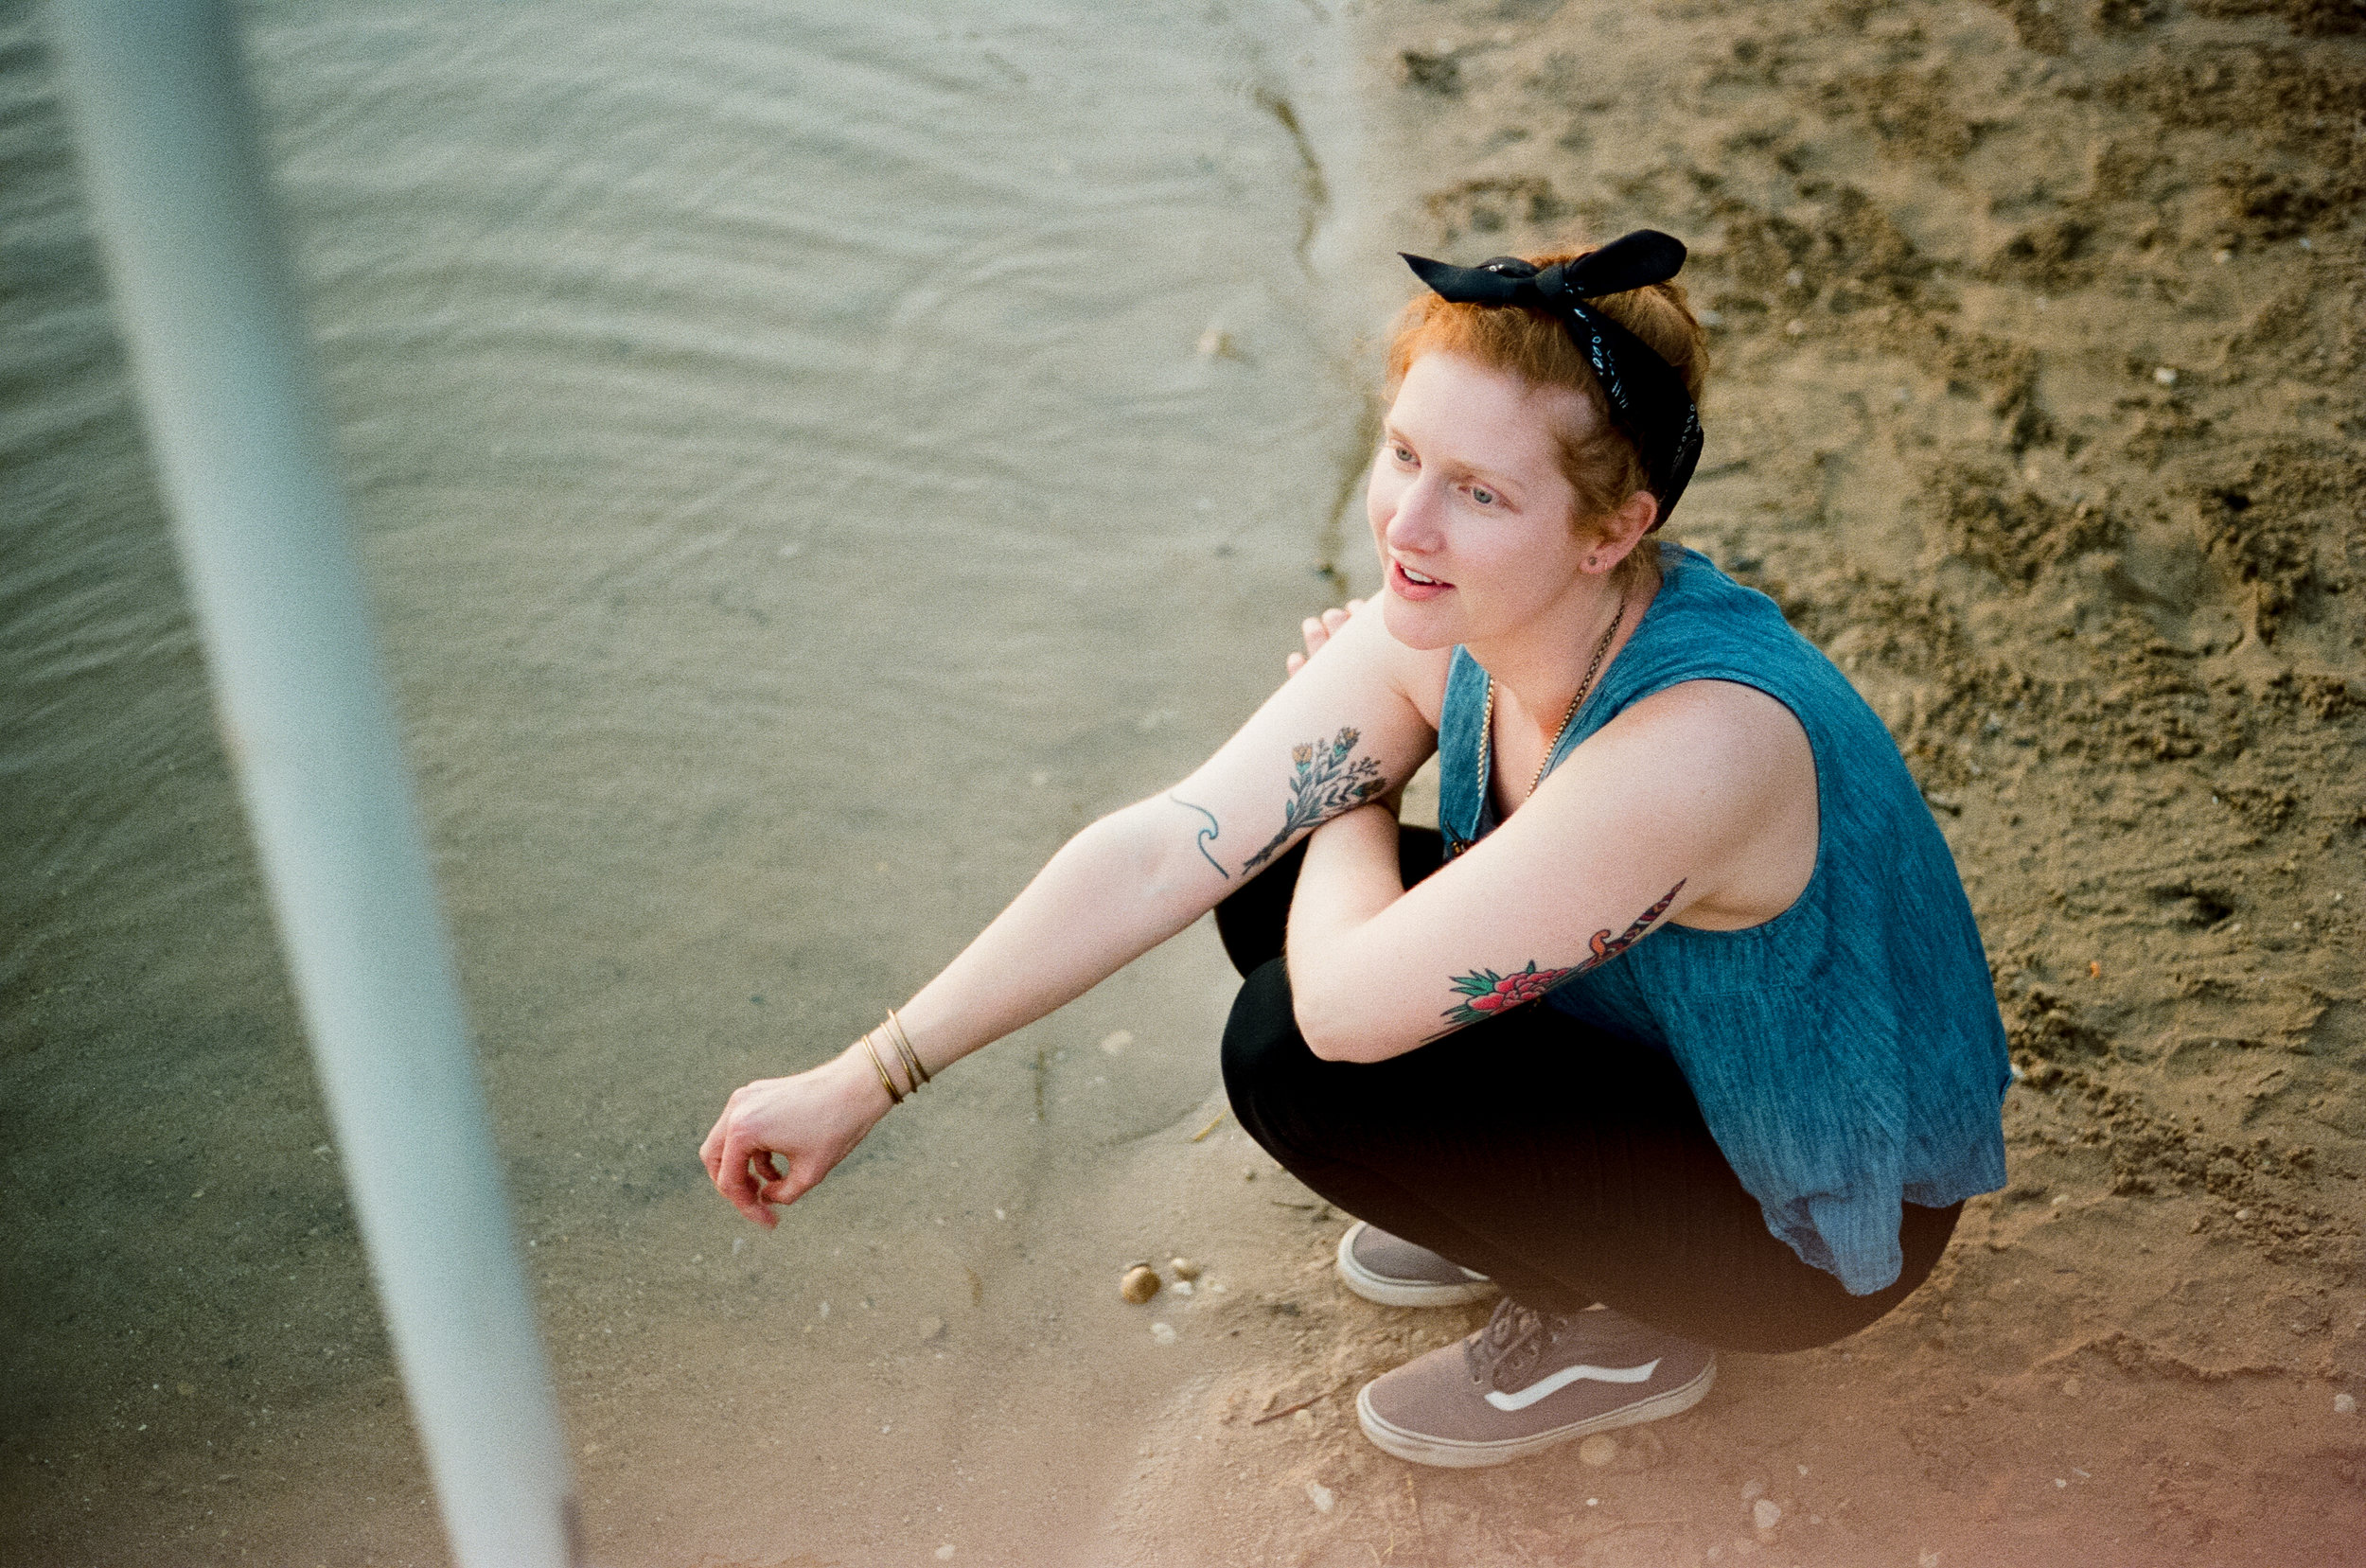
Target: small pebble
[[1141, 1283], [2059, 1482], [944, 1553], [2072, 1387], [1182, 1287], [1115, 1044], [1599, 1450], [1753, 1490], [1183, 1268], [1321, 1496], [1162, 1332], [2345, 1404], [2167, 375], [1765, 1513], [1302, 1420]]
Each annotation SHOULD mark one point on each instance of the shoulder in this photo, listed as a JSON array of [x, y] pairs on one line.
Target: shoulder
[[1709, 718], [1720, 748], [1417, 675]]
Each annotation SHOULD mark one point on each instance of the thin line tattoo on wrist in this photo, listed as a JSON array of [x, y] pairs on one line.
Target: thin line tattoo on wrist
[[1483, 994], [1324, 783], [1208, 834]]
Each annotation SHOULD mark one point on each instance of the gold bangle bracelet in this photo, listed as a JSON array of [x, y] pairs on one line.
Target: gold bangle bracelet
[[871, 1045], [910, 1053]]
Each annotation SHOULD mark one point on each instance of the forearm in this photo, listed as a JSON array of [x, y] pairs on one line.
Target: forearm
[[1350, 874], [1111, 893]]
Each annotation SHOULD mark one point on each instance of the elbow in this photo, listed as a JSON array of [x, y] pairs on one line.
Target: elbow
[[1328, 1028]]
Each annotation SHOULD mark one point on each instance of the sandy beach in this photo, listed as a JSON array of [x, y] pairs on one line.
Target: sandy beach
[[2041, 334], [2040, 403]]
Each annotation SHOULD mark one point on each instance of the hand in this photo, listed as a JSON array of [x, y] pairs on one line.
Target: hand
[[811, 1121], [1316, 629]]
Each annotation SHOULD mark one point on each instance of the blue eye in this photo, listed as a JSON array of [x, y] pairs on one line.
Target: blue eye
[[1481, 494]]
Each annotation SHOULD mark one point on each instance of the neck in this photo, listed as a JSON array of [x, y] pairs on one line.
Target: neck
[[1538, 667]]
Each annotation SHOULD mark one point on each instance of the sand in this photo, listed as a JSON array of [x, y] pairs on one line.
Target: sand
[[2041, 334]]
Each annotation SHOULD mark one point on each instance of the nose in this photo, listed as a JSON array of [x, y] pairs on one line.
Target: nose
[[1413, 524]]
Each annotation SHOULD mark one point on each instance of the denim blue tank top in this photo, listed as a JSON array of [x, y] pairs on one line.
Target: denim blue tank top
[[1848, 1054]]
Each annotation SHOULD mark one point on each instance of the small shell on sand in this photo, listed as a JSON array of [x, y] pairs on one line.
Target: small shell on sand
[[2345, 1404], [1162, 1332], [1141, 1283], [1183, 1268], [1599, 1450], [1321, 1496]]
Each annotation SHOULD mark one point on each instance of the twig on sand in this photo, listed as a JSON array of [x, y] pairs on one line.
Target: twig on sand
[[1210, 1128], [1285, 1410]]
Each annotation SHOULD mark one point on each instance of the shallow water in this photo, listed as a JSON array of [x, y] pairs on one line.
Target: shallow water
[[809, 459]]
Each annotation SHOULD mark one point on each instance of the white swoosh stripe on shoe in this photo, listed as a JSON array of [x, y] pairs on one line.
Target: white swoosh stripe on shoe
[[1547, 1387]]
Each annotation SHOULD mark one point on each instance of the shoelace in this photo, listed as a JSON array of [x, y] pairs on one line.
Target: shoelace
[[1504, 1353]]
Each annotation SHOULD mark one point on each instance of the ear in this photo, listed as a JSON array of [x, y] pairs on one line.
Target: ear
[[1622, 530]]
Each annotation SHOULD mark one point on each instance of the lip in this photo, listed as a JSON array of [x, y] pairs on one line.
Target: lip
[[1405, 587]]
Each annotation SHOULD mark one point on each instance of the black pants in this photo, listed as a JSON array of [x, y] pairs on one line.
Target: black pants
[[1569, 1165]]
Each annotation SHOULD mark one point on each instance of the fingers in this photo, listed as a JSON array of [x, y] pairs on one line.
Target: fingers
[[710, 1151], [737, 1182], [1295, 662]]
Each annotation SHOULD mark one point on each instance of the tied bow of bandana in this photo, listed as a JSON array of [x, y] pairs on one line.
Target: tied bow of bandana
[[1647, 397]]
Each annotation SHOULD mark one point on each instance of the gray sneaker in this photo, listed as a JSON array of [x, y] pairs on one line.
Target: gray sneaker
[[1395, 1273], [1530, 1379]]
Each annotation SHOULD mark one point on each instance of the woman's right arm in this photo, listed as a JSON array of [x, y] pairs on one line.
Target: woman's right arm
[[1343, 730]]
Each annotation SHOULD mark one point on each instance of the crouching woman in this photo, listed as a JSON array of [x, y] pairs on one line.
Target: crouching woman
[[1678, 1036]]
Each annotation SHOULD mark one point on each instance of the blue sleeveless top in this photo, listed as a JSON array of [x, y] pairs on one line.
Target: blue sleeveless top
[[1846, 1054]]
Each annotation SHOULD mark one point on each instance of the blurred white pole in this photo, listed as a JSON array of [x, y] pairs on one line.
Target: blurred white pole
[[170, 146]]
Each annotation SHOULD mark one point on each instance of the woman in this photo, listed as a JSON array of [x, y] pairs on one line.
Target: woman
[[1753, 1129]]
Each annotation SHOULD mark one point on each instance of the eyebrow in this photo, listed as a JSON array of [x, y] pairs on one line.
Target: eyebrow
[[1477, 476]]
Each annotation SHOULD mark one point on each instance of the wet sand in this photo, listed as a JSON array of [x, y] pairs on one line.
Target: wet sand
[[2033, 409]]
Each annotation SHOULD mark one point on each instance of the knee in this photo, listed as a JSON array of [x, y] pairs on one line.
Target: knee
[[1263, 1049]]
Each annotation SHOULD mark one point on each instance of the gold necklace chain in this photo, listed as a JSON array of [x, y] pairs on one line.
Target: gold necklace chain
[[1487, 720]]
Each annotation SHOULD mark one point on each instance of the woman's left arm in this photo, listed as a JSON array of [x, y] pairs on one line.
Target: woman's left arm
[[1680, 803]]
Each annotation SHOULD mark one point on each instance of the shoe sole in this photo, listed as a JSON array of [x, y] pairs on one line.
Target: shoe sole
[[1459, 1454], [1401, 1292]]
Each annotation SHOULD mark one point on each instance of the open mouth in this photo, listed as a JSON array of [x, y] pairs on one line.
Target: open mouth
[[1420, 579]]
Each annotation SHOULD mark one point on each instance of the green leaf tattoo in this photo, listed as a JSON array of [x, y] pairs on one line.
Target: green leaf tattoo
[[1324, 783], [1208, 834]]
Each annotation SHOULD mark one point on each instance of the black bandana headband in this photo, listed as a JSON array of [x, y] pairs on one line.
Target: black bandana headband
[[1647, 397]]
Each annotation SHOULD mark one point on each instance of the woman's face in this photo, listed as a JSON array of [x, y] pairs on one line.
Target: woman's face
[[1469, 510]]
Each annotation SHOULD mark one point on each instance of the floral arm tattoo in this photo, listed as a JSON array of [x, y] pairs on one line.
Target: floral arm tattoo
[[1483, 994], [1324, 783], [1208, 834]]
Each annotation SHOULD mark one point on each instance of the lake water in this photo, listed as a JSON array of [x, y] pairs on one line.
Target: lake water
[[809, 461]]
